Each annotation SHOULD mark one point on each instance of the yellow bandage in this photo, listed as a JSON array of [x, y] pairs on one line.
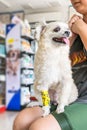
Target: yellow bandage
[[45, 98]]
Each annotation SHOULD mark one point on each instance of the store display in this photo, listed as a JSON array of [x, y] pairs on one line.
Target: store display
[[20, 50], [13, 45]]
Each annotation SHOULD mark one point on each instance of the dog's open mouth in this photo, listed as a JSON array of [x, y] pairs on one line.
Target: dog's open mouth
[[63, 40]]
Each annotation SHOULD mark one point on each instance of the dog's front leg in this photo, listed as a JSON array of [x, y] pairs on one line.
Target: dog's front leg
[[65, 95], [46, 102]]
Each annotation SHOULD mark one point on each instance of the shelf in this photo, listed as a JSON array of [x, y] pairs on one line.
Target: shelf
[[29, 68], [26, 85], [28, 53], [29, 38]]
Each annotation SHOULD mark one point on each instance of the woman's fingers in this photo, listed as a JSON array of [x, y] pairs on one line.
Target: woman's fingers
[[73, 19]]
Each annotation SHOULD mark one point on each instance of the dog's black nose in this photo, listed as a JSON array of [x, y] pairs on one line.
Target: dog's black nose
[[67, 33], [56, 29]]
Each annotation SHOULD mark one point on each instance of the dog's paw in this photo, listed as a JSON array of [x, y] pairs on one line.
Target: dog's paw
[[46, 110], [33, 103], [60, 109]]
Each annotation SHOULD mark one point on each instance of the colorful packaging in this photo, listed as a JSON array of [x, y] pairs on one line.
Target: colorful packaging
[[13, 45]]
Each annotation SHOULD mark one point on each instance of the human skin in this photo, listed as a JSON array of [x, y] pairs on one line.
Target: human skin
[[78, 24], [31, 119]]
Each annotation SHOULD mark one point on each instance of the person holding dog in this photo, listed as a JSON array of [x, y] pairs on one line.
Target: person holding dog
[[75, 115]]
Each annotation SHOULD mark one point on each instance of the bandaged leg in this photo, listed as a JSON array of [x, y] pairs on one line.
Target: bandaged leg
[[46, 102]]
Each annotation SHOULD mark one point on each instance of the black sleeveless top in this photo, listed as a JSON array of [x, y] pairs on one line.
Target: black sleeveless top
[[78, 56]]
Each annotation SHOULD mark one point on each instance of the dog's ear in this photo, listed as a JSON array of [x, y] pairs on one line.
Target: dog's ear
[[39, 30], [8, 53], [18, 53]]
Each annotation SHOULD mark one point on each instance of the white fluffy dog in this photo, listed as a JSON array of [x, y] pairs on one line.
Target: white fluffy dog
[[53, 66]]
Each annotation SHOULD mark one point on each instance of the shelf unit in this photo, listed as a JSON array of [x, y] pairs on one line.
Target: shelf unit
[[2, 67], [27, 67]]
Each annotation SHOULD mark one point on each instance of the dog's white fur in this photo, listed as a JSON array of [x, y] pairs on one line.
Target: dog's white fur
[[52, 66]]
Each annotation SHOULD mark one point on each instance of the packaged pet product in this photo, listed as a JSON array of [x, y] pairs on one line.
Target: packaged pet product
[[2, 30], [27, 77], [25, 95], [16, 20], [32, 91], [26, 47], [26, 61], [26, 29]]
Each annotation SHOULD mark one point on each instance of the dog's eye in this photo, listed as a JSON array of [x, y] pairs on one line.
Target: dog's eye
[[56, 29]]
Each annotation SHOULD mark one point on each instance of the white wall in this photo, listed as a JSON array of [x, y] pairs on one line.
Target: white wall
[[72, 11], [61, 15]]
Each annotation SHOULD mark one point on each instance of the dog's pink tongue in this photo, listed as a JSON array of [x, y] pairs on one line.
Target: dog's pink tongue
[[66, 40]]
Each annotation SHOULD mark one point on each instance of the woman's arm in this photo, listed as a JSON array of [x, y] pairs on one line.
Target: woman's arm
[[79, 27], [82, 31], [72, 39]]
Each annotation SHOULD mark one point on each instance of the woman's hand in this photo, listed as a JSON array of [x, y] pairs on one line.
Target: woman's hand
[[73, 24], [76, 23], [78, 27]]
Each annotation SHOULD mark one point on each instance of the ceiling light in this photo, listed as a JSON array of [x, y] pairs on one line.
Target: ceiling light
[[5, 3], [37, 5]]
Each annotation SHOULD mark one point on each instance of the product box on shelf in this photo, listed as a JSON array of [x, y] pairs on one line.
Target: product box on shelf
[[25, 96]]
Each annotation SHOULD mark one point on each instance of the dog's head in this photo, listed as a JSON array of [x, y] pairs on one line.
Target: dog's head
[[13, 55], [54, 32]]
